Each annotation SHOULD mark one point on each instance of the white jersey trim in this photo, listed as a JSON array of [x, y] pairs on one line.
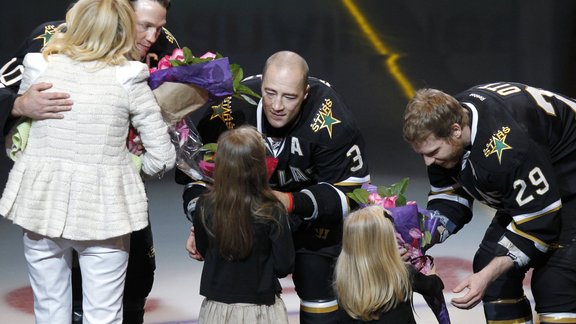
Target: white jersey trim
[[354, 181], [454, 198], [523, 218], [473, 121]]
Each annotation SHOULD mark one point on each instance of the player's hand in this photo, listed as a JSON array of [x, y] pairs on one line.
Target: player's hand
[[283, 197], [38, 104], [191, 247], [136, 147], [476, 285], [479, 282], [404, 255]]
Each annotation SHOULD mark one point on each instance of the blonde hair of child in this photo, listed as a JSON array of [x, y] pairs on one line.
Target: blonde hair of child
[[370, 276], [97, 30]]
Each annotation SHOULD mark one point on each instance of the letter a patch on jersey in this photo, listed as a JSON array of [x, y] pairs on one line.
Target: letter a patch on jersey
[[497, 144]]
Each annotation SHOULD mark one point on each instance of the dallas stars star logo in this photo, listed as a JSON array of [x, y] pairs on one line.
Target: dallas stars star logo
[[48, 32], [499, 146], [328, 120], [224, 112], [219, 111]]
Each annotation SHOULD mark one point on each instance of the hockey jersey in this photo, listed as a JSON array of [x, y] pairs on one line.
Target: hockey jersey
[[321, 155], [521, 162]]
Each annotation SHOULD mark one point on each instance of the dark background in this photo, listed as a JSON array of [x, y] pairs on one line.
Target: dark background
[[445, 44]]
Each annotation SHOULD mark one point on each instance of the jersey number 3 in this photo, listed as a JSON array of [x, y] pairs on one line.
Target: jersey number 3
[[354, 151]]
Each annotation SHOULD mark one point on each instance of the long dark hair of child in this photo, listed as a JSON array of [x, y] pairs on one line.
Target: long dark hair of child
[[241, 194]]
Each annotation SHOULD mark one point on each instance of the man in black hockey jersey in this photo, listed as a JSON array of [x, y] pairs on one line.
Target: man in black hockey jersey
[[153, 42], [321, 156], [513, 148]]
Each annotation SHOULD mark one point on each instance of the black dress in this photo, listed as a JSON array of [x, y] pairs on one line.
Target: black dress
[[403, 313]]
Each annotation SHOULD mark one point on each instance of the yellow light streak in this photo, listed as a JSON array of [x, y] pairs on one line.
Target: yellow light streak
[[380, 48]]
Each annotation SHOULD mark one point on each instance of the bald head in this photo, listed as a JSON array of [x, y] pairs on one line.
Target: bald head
[[287, 61]]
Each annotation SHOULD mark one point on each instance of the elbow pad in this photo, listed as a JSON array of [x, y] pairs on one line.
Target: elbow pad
[[190, 197]]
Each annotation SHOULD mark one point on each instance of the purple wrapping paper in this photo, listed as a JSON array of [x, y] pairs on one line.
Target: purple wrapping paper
[[405, 218], [214, 76]]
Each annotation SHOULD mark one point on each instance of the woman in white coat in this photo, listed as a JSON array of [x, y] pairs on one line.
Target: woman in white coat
[[74, 187]]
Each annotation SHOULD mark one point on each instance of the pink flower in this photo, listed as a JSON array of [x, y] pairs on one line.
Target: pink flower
[[182, 131], [208, 55], [389, 202], [386, 202], [207, 168], [375, 198], [164, 63], [177, 54]]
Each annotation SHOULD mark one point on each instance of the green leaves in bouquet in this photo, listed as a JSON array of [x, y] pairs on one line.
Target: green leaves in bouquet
[[360, 196], [397, 189], [190, 59], [241, 91], [210, 149]]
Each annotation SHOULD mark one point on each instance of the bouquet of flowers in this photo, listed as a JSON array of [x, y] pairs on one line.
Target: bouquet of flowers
[[414, 228], [182, 83]]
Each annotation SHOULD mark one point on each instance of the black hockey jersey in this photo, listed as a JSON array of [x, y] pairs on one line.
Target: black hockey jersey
[[522, 162], [321, 155]]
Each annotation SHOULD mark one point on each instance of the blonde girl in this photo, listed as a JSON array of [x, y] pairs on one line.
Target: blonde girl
[[372, 282]]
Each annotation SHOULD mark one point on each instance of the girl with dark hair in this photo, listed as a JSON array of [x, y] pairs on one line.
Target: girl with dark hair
[[243, 233]]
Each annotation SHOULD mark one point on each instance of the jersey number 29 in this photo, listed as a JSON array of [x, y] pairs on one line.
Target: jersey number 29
[[537, 179]]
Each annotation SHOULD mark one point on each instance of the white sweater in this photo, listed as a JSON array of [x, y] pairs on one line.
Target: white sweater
[[75, 179]]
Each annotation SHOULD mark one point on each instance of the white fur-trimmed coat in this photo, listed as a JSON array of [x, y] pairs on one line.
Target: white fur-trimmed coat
[[75, 179]]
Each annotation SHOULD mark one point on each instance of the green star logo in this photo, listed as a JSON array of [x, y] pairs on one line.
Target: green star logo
[[499, 147], [328, 121], [48, 32], [224, 112], [219, 111]]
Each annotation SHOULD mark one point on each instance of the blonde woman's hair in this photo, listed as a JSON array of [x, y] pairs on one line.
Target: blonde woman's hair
[[97, 30], [370, 277]]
